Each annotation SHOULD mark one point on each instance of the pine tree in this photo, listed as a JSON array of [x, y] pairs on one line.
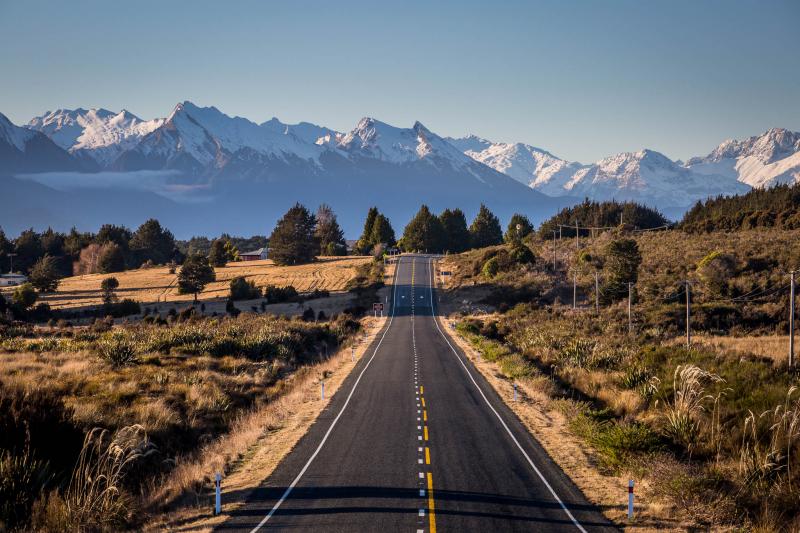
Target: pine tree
[[516, 235], [364, 243], [382, 231], [111, 259], [485, 229], [152, 242], [424, 233], [218, 255], [44, 274], [622, 260], [107, 288], [455, 227], [328, 233], [292, 241], [194, 275]]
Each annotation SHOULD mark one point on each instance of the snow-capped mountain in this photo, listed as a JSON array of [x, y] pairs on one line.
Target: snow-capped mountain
[[305, 131], [203, 140], [23, 150], [649, 177], [761, 161], [525, 163], [96, 135]]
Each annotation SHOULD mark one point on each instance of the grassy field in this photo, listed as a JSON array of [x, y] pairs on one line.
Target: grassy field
[[158, 285], [162, 395]]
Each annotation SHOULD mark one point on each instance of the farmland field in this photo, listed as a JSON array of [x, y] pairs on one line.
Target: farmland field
[[158, 285]]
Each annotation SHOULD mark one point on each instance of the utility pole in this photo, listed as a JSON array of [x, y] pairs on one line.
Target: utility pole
[[688, 315], [791, 320], [577, 242], [630, 307], [574, 289], [11, 259], [559, 232], [596, 292], [554, 250]]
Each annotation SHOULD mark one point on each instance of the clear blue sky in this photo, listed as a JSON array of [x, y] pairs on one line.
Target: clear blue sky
[[581, 79]]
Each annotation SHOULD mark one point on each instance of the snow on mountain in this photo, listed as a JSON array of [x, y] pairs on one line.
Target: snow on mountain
[[761, 161], [23, 150], [196, 138], [305, 131], [525, 163], [99, 134], [13, 135], [650, 177], [377, 140]]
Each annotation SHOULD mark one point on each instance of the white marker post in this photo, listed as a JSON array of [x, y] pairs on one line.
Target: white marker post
[[630, 499], [353, 354], [322, 390], [218, 494]]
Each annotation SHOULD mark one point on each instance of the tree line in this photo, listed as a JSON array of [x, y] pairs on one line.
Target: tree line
[[592, 214], [775, 207]]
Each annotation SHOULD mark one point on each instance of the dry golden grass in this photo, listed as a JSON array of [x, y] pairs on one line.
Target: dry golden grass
[[775, 347], [158, 285], [258, 441]]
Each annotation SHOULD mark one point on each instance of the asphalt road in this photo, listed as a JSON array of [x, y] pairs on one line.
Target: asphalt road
[[416, 440]]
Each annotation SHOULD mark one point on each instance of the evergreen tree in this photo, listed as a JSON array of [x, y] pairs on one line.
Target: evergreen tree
[[424, 233], [107, 287], [5, 248], [382, 231], [218, 255], [76, 241], [485, 229], [152, 242], [364, 243], [194, 275], [111, 259], [525, 228], [44, 274], [328, 233], [455, 227], [622, 260], [119, 235], [28, 247], [292, 241]]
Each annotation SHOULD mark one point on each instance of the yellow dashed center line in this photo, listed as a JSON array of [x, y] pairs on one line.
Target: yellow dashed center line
[[431, 512], [421, 389], [423, 401], [424, 416], [425, 430], [427, 455]]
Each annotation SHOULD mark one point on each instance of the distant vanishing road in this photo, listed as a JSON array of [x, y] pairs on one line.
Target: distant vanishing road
[[416, 440]]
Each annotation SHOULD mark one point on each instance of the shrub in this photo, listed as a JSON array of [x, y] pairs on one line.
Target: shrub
[[491, 268], [274, 295], [308, 315], [117, 349], [242, 289]]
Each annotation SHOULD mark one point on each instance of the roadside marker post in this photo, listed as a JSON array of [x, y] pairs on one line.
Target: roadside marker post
[[322, 390], [218, 494], [630, 499], [353, 354]]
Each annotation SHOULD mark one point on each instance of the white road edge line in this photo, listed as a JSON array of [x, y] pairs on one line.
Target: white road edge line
[[335, 420], [502, 422]]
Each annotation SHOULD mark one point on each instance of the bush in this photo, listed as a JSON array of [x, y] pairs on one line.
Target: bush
[[491, 268], [242, 289], [308, 315], [275, 295], [22, 479], [117, 350]]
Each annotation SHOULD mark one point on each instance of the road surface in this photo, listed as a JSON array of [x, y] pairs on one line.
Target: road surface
[[416, 440]]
